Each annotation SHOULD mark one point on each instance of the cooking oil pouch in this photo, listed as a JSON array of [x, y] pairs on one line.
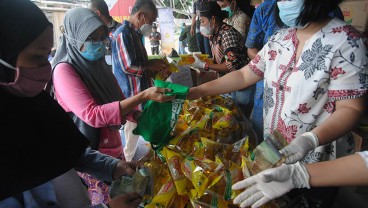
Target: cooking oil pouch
[[211, 148], [159, 119], [180, 201], [185, 140], [162, 75], [209, 200], [165, 196], [174, 161], [195, 174], [231, 173]]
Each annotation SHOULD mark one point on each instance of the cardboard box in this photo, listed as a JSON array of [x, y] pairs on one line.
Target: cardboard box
[[356, 13], [200, 77]]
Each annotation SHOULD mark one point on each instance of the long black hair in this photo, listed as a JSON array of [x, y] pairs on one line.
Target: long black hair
[[314, 10], [246, 7], [212, 9]]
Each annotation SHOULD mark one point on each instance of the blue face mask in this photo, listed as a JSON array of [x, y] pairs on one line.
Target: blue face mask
[[290, 11], [93, 51]]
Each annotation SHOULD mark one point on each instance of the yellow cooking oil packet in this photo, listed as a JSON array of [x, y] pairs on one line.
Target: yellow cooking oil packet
[[211, 148], [174, 160], [184, 141], [172, 68], [230, 174], [195, 174], [164, 198], [209, 200]]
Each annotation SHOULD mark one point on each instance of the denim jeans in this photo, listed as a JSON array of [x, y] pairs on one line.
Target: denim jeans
[[257, 116], [244, 99]]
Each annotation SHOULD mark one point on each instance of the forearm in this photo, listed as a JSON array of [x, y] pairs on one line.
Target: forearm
[[218, 67], [131, 103], [193, 21], [233, 81], [343, 120], [97, 164], [345, 171], [252, 52]]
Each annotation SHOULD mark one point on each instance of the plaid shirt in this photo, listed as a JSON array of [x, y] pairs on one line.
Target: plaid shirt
[[228, 46], [128, 58]]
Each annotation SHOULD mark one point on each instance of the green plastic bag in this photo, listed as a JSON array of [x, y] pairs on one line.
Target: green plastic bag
[[159, 119]]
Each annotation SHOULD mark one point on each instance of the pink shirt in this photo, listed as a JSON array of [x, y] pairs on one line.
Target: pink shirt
[[73, 95]]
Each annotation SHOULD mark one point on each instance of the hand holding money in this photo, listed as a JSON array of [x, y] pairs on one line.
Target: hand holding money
[[138, 183], [300, 147], [124, 169]]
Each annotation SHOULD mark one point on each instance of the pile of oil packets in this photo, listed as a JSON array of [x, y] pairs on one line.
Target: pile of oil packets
[[210, 150]]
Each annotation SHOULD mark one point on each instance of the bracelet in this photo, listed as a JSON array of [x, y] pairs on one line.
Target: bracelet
[[206, 67]]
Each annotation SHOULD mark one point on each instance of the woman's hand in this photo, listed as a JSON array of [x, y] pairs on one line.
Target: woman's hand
[[123, 168], [271, 184], [300, 147], [157, 94]]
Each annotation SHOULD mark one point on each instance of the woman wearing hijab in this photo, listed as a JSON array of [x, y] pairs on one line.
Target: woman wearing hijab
[[32, 124], [315, 85], [228, 51], [86, 88]]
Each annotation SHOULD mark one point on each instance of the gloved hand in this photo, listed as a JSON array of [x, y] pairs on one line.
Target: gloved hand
[[300, 147], [198, 63], [271, 184]]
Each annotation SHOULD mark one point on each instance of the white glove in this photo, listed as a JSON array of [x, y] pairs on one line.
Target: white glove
[[198, 63], [299, 147], [271, 184]]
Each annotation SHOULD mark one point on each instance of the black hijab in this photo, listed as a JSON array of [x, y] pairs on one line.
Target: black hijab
[[39, 141], [21, 22]]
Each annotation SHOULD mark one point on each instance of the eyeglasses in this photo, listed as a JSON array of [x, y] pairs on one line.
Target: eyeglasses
[[105, 41]]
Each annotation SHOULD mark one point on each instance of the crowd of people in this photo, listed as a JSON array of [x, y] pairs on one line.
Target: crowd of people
[[303, 69]]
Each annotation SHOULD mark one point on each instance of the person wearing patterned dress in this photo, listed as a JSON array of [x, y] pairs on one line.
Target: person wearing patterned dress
[[228, 50], [240, 14], [315, 81]]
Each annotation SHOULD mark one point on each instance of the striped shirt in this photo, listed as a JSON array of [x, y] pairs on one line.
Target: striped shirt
[[128, 60]]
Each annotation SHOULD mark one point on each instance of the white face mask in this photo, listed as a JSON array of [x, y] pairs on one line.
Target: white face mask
[[146, 28], [206, 29]]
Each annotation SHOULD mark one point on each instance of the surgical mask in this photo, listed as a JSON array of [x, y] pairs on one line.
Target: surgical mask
[[93, 50], [290, 11], [228, 9], [206, 30], [28, 82], [146, 28]]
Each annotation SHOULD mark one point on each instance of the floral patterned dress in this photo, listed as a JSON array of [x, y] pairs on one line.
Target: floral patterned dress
[[300, 95]]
